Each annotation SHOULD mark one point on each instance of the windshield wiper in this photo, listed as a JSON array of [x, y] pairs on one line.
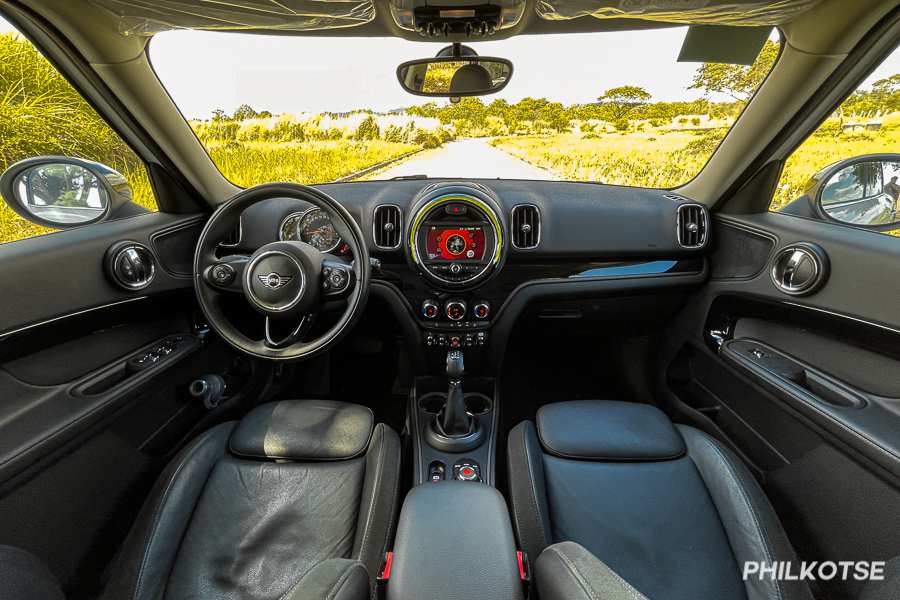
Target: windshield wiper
[[408, 177]]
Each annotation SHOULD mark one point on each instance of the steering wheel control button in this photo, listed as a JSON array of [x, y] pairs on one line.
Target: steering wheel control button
[[222, 274], [430, 309], [467, 470], [455, 310], [482, 310]]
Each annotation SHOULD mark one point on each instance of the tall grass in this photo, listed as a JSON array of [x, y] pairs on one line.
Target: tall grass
[[252, 163], [824, 148], [40, 113]]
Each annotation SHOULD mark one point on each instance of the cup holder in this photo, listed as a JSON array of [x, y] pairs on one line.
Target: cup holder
[[476, 404], [432, 403]]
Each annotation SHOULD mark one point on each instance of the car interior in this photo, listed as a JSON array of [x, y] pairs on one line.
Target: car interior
[[440, 388]]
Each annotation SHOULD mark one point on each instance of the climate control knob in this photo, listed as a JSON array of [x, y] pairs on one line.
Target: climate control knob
[[455, 310], [430, 309], [482, 310]]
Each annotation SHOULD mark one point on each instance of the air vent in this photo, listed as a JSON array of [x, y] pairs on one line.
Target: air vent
[[692, 225], [132, 265], [526, 226], [387, 226]]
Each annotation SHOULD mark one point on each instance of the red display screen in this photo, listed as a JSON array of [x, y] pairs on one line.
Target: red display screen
[[454, 243]]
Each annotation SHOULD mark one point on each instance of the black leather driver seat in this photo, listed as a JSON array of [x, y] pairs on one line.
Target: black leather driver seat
[[614, 501], [295, 501]]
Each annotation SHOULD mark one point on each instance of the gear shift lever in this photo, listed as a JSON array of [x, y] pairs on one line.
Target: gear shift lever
[[453, 429], [454, 420]]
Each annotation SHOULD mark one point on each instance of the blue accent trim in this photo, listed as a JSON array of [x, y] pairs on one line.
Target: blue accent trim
[[648, 268]]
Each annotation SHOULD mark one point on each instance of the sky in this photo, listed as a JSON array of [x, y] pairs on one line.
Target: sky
[[204, 71]]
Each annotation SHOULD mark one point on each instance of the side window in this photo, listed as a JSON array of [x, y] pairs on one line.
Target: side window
[[41, 114], [855, 155]]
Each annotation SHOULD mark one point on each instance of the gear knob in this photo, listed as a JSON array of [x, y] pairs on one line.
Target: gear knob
[[455, 366]]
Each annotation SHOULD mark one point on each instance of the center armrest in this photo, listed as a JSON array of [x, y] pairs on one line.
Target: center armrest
[[454, 540]]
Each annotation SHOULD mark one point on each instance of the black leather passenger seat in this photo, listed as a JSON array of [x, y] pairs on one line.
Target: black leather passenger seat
[[614, 501]]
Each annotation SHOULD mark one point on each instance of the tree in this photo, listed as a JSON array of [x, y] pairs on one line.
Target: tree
[[737, 81], [368, 129], [219, 115], [619, 102], [886, 93], [244, 112]]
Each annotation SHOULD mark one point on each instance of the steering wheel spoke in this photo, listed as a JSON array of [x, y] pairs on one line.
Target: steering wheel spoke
[[296, 334], [338, 278], [226, 274]]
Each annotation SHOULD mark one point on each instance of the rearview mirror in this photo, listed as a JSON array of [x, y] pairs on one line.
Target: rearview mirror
[[62, 192], [862, 192], [455, 76]]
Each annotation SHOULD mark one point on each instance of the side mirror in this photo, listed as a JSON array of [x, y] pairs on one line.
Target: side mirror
[[862, 191], [455, 76], [63, 192]]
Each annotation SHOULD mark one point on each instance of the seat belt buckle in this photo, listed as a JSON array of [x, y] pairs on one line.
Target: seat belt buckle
[[384, 575], [524, 571]]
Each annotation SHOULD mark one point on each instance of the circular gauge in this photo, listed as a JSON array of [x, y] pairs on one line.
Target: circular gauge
[[288, 230], [314, 227]]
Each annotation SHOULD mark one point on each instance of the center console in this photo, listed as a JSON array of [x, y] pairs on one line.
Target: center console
[[455, 540]]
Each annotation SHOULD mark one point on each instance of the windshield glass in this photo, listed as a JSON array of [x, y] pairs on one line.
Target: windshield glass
[[605, 107]]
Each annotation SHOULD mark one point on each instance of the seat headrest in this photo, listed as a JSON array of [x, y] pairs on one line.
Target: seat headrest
[[608, 430], [304, 430]]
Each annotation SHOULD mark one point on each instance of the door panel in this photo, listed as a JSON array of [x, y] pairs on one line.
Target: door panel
[[84, 429], [63, 273], [807, 389]]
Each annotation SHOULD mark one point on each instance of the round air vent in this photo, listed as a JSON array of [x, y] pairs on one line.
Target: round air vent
[[800, 269], [131, 265]]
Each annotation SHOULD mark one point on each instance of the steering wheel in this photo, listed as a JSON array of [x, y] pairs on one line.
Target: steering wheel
[[288, 282]]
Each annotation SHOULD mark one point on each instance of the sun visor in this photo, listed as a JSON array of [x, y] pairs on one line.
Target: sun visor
[[723, 44], [756, 13], [146, 17]]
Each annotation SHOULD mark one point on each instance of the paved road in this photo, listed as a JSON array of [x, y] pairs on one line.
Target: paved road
[[471, 158]]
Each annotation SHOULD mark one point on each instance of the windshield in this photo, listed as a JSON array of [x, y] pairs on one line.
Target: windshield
[[612, 108]]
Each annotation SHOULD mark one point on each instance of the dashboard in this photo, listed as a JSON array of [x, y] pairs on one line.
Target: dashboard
[[459, 262]]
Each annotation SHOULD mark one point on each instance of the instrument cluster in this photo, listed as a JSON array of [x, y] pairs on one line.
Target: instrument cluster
[[314, 227]]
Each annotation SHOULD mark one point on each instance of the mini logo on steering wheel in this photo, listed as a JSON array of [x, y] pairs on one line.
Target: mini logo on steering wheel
[[273, 280]]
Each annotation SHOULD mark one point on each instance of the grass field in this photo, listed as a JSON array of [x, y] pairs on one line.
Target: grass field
[[671, 159], [252, 163], [642, 159]]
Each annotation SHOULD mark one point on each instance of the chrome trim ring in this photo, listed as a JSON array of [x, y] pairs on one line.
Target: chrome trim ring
[[493, 222], [248, 272], [120, 253], [782, 274]]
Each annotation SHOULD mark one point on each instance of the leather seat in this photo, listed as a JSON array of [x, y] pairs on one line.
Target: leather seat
[[614, 501], [295, 501]]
